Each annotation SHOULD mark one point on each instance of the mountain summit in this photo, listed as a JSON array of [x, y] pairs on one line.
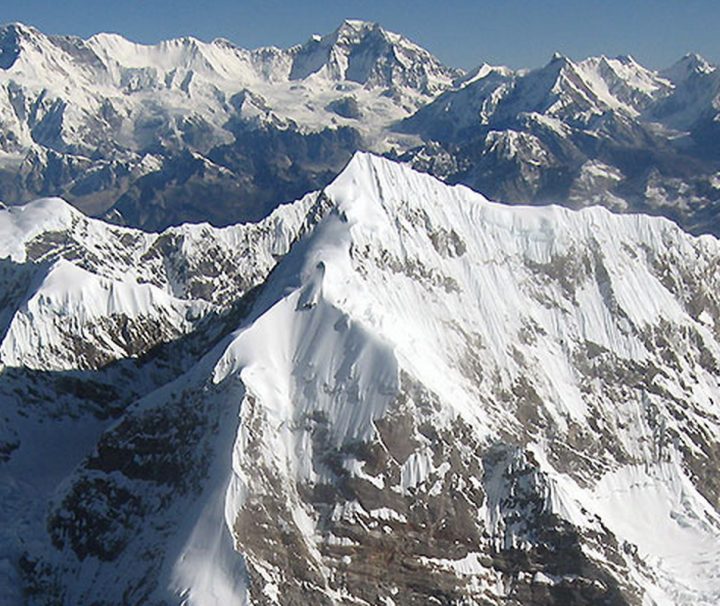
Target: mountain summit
[[363, 52], [431, 397]]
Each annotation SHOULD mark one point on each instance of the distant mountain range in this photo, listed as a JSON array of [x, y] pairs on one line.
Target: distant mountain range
[[152, 136]]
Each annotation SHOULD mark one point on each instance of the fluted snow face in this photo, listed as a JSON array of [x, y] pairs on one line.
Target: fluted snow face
[[565, 347], [431, 395]]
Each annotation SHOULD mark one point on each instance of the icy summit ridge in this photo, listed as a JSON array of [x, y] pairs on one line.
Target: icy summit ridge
[[477, 389], [366, 342]]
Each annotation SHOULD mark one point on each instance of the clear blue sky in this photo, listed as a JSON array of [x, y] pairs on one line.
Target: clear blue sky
[[462, 33]]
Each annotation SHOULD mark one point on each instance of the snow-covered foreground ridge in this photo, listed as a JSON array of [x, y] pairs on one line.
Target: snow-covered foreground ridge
[[440, 400], [79, 293]]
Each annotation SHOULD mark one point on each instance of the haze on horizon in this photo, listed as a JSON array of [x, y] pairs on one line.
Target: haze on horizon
[[462, 33]]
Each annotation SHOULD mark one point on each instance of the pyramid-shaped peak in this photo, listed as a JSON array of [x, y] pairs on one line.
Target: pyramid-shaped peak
[[12, 37], [695, 60], [360, 169], [689, 65], [363, 52], [352, 33], [364, 165], [368, 179], [558, 57], [558, 63]]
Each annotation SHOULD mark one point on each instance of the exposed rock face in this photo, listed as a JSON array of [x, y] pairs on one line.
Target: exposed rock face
[[430, 399]]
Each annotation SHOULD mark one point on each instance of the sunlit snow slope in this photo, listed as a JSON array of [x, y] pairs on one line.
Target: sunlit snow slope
[[434, 399], [79, 293]]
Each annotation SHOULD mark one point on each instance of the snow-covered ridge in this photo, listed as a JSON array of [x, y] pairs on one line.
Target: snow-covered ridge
[[574, 92], [430, 374], [496, 312], [122, 290], [533, 329]]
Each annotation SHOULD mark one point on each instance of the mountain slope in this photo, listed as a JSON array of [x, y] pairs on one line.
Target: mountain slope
[[93, 317], [599, 131], [433, 398]]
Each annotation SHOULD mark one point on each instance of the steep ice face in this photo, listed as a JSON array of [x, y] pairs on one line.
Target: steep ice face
[[564, 347], [433, 397]]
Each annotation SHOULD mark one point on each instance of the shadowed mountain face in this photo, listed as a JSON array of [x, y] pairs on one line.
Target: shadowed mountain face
[[389, 391], [191, 131]]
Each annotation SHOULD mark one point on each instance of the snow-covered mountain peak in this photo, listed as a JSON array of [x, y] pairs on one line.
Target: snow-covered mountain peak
[[49, 61], [418, 303], [623, 83], [694, 101], [178, 54], [483, 71], [20, 224], [350, 29], [365, 53], [561, 95], [686, 67], [478, 389], [15, 37]]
